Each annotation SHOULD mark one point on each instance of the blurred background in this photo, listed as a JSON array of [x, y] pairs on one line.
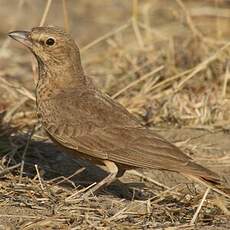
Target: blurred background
[[166, 61]]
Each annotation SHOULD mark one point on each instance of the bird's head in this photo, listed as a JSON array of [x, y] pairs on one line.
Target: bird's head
[[49, 44]]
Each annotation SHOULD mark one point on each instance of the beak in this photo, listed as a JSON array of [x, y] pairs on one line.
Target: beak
[[22, 37]]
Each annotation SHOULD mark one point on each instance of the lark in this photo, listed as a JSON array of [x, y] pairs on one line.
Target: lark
[[87, 123]]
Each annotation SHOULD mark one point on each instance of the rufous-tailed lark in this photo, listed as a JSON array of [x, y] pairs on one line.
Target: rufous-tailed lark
[[88, 123]]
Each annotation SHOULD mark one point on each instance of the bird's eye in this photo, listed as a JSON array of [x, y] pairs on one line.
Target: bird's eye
[[50, 42]]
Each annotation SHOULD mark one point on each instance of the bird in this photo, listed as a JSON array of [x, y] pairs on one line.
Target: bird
[[87, 123]]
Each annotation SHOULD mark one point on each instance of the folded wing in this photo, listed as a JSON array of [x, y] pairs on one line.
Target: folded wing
[[101, 128]]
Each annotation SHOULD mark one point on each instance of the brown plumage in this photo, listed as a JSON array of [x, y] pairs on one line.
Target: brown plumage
[[88, 123]]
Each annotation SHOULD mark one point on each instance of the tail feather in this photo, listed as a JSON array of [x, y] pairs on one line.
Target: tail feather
[[215, 184], [206, 177]]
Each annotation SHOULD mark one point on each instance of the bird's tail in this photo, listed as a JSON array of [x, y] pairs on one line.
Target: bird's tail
[[216, 184]]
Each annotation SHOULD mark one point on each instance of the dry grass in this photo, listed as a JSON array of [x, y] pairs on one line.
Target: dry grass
[[174, 74]]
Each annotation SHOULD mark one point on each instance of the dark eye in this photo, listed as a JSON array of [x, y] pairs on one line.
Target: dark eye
[[50, 42]]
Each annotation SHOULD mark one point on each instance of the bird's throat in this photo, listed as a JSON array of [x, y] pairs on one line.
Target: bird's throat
[[56, 81]]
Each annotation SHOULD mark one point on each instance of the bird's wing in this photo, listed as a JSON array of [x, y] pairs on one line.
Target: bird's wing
[[83, 114], [106, 130]]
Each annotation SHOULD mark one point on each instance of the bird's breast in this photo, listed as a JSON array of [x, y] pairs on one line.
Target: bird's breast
[[44, 92]]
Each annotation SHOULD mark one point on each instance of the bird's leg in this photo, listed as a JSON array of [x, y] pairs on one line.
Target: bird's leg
[[113, 170]]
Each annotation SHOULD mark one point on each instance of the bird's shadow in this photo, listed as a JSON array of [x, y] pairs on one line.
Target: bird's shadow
[[54, 165]]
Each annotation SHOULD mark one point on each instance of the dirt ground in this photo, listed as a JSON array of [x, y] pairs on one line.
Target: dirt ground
[[17, 209], [187, 101]]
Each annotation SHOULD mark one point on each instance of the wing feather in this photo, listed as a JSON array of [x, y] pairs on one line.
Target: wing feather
[[104, 129]]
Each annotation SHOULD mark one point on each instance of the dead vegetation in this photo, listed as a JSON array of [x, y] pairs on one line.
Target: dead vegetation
[[170, 67]]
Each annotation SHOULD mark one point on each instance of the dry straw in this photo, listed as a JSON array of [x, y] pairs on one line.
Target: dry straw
[[166, 81]]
